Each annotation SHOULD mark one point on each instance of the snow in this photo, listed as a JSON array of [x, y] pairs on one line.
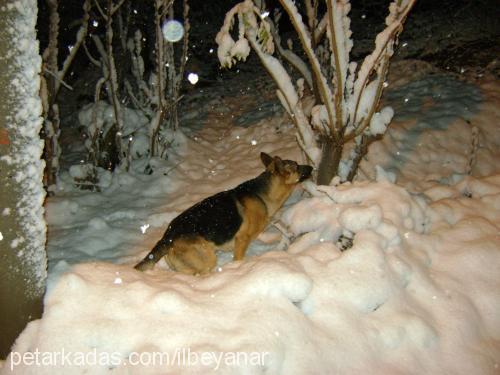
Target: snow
[[417, 292], [432, 136], [381, 120]]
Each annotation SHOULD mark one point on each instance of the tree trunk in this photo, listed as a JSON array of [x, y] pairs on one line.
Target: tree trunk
[[330, 159], [23, 258], [51, 110]]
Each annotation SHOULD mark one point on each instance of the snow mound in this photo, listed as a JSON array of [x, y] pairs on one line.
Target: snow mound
[[412, 286]]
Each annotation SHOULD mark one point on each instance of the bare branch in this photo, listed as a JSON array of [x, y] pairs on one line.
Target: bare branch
[[80, 38], [101, 11], [116, 7]]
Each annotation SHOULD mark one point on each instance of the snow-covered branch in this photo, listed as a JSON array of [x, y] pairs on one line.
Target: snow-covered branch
[[52, 81], [346, 98]]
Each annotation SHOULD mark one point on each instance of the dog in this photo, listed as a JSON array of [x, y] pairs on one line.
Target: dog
[[227, 220]]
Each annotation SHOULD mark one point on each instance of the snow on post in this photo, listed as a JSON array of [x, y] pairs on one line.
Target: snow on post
[[23, 259]]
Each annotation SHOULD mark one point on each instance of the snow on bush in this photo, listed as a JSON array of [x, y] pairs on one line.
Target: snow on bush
[[343, 108], [98, 118], [395, 302]]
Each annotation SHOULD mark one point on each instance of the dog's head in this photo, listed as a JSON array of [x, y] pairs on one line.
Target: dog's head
[[289, 171]]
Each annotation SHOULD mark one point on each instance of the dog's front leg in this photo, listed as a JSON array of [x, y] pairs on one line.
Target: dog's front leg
[[241, 243], [254, 213]]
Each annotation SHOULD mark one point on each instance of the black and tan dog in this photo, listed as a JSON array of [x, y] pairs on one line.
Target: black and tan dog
[[227, 220]]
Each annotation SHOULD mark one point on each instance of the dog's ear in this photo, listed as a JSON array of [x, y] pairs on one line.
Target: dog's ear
[[266, 159], [279, 165]]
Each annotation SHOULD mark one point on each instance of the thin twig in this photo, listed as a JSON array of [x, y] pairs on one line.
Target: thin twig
[[56, 77], [92, 59]]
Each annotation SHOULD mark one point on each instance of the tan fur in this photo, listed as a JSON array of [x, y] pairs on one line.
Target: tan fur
[[255, 219], [192, 256], [279, 191]]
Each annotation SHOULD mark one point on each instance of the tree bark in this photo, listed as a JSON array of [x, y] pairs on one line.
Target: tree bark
[[23, 258], [330, 160]]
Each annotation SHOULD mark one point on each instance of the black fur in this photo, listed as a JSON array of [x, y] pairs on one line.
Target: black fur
[[215, 218]]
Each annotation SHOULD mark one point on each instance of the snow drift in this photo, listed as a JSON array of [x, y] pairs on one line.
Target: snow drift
[[412, 295]]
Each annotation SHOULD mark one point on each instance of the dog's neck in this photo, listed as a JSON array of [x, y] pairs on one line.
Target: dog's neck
[[276, 194]]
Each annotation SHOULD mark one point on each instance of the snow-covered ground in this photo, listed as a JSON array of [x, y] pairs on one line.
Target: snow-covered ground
[[417, 292]]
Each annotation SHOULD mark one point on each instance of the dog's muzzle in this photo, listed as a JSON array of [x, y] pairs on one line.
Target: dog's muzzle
[[304, 172]]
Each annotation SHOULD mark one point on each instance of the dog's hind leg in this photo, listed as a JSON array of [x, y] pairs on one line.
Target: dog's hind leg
[[192, 256]]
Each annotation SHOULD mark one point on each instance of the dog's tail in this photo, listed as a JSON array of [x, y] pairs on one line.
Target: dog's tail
[[159, 251]]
